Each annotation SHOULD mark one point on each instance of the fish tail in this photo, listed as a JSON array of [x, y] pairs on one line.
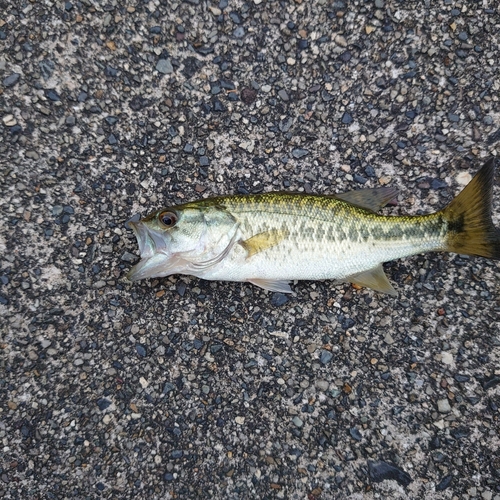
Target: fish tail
[[468, 217]]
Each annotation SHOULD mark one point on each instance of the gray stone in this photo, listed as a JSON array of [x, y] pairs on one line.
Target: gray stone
[[164, 66], [11, 80], [443, 406]]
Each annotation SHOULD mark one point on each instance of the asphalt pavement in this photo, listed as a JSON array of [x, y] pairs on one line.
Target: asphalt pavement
[[183, 388]]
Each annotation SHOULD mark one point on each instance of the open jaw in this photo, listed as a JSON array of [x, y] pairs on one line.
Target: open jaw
[[156, 260]]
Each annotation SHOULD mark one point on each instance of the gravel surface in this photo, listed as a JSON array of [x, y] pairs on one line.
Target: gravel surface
[[183, 388]]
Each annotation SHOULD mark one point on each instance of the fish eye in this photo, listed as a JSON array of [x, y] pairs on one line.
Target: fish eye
[[168, 219]]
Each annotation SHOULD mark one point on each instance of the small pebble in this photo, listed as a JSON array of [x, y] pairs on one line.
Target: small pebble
[[164, 66]]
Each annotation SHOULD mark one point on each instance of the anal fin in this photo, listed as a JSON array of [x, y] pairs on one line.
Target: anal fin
[[272, 285], [375, 279]]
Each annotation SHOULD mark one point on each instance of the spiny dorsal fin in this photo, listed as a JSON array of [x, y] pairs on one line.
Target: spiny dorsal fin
[[263, 241], [371, 199], [375, 279]]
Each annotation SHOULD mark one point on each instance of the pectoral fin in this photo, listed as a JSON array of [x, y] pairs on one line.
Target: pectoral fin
[[272, 285], [263, 241], [371, 199], [375, 279]]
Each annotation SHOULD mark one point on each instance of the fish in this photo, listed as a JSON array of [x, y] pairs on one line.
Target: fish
[[270, 239]]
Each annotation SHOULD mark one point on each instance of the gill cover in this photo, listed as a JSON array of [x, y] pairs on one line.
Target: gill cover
[[187, 239]]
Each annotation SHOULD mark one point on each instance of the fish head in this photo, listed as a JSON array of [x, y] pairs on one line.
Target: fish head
[[181, 240]]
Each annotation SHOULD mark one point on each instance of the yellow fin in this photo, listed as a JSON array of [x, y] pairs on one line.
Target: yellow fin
[[470, 228], [263, 241], [370, 199], [375, 279], [272, 285]]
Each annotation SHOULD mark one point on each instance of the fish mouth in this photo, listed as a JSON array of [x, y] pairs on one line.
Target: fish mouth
[[156, 260]]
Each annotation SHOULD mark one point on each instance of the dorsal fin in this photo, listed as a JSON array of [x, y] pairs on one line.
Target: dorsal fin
[[371, 199]]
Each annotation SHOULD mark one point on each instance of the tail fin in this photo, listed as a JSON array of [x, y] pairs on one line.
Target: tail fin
[[470, 228]]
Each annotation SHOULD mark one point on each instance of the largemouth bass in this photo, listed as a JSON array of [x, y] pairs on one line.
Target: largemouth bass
[[270, 239]]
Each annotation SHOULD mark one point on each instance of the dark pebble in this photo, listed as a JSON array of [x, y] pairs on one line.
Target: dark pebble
[[204, 161], [218, 106], [141, 350], [177, 454], [82, 97], [444, 483], [4, 280], [215, 89], [283, 95], [490, 382], [355, 434], [52, 95], [438, 184], [26, 431], [223, 4], [379, 471], [111, 120], [4, 300], [299, 153], [285, 124], [302, 44], [235, 17], [137, 103], [100, 486], [46, 68], [70, 120], [459, 432], [248, 95], [239, 32], [215, 348], [347, 323], [347, 118], [370, 171], [112, 140], [278, 299], [128, 257], [181, 288], [345, 56], [155, 30], [326, 96], [11, 80], [453, 117], [110, 71], [360, 179], [103, 403], [325, 357], [16, 129], [168, 476], [168, 387], [188, 148], [434, 443], [461, 378]]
